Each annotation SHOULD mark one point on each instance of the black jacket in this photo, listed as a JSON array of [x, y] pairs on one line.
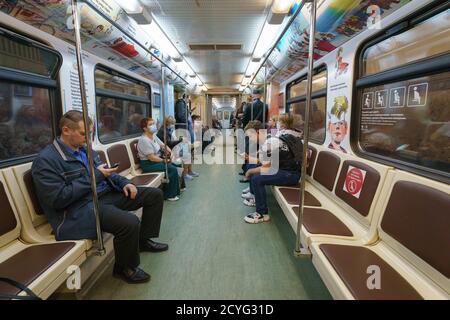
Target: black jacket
[[255, 111], [181, 114], [63, 187]]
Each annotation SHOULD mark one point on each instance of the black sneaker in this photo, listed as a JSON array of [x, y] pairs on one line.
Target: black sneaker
[[131, 275]]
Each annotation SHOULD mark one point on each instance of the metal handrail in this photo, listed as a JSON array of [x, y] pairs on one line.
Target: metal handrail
[[300, 251], [101, 248]]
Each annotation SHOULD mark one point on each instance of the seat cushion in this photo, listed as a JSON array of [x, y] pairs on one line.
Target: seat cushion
[[144, 179], [327, 166], [351, 264], [320, 221], [28, 264], [28, 180], [292, 196]]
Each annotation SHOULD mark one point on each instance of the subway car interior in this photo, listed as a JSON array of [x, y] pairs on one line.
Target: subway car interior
[[225, 150]]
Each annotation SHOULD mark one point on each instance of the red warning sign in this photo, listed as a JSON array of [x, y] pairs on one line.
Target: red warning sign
[[354, 181]]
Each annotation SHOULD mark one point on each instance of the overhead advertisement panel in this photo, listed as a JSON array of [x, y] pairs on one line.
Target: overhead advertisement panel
[[98, 35], [337, 22]]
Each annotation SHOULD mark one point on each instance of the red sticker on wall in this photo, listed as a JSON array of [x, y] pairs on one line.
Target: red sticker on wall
[[354, 181]]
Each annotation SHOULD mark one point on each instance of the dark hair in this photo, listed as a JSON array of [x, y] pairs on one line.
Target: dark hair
[[144, 122], [71, 119], [195, 117]]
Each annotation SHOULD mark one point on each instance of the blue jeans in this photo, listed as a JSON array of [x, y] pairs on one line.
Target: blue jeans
[[259, 182]]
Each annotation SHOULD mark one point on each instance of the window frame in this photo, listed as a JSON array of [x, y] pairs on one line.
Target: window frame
[[322, 93], [100, 92], [419, 68], [14, 76]]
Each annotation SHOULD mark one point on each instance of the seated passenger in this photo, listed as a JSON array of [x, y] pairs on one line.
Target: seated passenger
[[63, 187], [287, 145], [153, 154], [170, 129]]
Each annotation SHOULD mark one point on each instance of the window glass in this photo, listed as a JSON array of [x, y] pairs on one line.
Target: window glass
[[20, 55], [319, 83], [25, 120], [116, 83], [409, 121], [219, 115], [425, 40], [317, 117], [119, 118]]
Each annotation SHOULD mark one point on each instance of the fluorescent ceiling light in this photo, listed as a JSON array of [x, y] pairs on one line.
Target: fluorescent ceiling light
[[185, 68], [161, 40], [130, 6], [251, 69], [282, 6], [266, 39]]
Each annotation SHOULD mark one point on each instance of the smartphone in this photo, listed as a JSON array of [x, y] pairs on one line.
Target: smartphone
[[115, 165]]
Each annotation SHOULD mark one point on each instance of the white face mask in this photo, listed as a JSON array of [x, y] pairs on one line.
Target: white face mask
[[278, 126], [152, 128]]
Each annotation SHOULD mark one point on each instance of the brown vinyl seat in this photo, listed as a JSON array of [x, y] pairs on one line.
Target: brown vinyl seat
[[411, 252], [351, 263], [326, 169], [27, 265], [118, 153], [292, 197], [102, 156], [41, 267], [311, 160], [321, 221]]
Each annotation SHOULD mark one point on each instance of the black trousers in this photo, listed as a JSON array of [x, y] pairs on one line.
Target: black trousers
[[125, 226]]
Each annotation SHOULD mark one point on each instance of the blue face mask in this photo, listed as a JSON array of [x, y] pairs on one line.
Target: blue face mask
[[152, 128]]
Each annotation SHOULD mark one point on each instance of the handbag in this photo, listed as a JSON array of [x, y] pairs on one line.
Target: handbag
[[4, 296]]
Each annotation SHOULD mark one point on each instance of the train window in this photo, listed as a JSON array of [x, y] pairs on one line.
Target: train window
[[427, 39], [297, 103], [20, 54], [407, 121], [319, 83], [317, 117], [27, 88], [122, 102], [117, 83]]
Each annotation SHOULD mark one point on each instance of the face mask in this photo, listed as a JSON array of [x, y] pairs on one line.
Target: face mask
[[171, 127], [278, 126], [152, 128]]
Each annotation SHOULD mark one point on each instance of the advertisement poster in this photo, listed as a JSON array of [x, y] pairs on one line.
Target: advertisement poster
[[98, 36], [337, 22], [339, 101]]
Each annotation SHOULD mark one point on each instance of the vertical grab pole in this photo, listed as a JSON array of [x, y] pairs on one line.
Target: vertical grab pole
[[101, 248], [265, 98], [163, 106], [299, 250]]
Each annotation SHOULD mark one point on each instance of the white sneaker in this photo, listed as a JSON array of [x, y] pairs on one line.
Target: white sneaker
[[246, 190], [256, 218], [188, 177], [250, 202], [183, 189], [176, 198], [248, 196]]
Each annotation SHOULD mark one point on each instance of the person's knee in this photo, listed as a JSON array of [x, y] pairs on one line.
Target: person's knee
[[131, 224]]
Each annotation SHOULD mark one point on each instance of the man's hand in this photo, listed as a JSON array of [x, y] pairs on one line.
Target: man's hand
[[106, 172], [131, 190]]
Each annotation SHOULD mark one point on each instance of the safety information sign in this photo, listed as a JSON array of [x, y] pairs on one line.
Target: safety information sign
[[354, 181]]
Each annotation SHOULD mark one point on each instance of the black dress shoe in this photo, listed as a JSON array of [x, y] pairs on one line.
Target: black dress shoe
[[244, 181], [131, 275], [152, 246], [241, 173]]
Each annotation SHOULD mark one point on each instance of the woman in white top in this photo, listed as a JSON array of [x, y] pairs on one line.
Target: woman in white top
[[152, 152]]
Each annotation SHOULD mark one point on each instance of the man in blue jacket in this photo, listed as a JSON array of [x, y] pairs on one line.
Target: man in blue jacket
[[63, 186]]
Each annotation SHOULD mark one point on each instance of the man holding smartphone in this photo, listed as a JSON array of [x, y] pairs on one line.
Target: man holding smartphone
[[63, 187]]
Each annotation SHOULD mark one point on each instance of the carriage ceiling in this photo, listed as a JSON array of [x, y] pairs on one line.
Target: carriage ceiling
[[213, 22], [188, 22]]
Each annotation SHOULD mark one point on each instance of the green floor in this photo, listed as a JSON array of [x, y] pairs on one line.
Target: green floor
[[214, 254]]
